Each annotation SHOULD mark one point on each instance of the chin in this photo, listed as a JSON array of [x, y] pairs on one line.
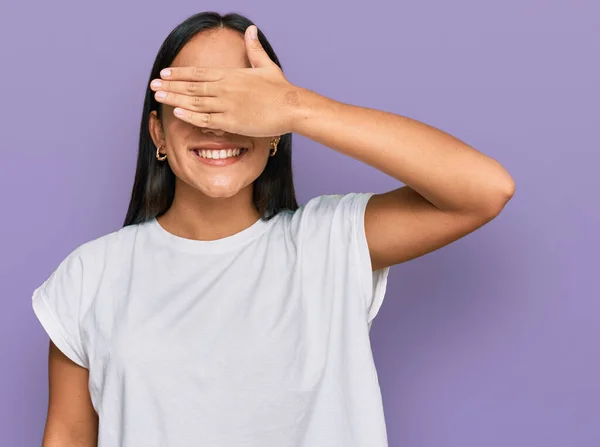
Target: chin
[[220, 191], [221, 194]]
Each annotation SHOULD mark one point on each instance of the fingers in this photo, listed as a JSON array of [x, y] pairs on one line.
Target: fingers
[[199, 88], [206, 74], [191, 103], [257, 56], [193, 92], [212, 120]]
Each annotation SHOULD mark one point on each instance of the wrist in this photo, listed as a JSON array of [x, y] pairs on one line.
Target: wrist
[[301, 103]]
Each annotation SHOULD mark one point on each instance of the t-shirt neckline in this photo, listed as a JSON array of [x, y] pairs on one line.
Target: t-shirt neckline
[[225, 243]]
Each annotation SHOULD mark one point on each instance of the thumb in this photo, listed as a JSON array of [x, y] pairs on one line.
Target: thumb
[[256, 53]]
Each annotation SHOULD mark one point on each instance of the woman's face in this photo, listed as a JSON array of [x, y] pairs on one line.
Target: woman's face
[[215, 179]]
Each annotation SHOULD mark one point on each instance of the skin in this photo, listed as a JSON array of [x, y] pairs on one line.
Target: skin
[[229, 90], [72, 420], [210, 203]]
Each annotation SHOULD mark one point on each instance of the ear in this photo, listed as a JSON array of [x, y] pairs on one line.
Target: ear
[[256, 53], [156, 130]]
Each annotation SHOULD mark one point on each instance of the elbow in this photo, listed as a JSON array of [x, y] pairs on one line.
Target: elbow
[[506, 190], [502, 193], [509, 189]]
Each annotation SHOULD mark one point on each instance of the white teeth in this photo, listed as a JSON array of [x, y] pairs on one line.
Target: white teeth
[[219, 153]]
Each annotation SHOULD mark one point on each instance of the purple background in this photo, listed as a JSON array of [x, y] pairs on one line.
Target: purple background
[[493, 341]]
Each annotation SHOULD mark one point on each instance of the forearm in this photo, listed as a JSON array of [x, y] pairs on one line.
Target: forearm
[[447, 172], [66, 436]]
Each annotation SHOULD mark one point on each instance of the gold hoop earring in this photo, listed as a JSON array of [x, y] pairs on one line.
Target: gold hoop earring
[[158, 157], [274, 144]]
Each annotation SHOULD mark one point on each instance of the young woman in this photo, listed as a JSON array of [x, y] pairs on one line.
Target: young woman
[[222, 314]]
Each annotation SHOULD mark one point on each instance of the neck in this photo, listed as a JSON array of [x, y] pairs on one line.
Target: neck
[[194, 215]]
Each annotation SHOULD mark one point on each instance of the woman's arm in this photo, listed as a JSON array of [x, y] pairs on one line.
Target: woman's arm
[[72, 420], [451, 188]]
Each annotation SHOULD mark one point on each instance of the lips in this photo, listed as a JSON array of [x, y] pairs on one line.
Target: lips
[[217, 150], [216, 145], [219, 153]]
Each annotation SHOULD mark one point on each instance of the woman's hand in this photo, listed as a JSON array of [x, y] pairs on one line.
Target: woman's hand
[[256, 102]]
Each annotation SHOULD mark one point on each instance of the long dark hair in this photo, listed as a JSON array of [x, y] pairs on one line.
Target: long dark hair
[[154, 184]]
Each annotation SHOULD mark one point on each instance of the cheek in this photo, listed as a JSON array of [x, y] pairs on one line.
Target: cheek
[[177, 132], [256, 163], [262, 144], [247, 170]]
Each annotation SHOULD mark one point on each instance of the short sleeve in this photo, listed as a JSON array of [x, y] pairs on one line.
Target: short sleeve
[[56, 304], [338, 225], [374, 283]]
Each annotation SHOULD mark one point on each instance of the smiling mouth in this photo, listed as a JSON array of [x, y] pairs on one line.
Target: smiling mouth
[[220, 154]]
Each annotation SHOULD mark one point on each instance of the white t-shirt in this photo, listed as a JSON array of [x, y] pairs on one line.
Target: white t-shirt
[[259, 339]]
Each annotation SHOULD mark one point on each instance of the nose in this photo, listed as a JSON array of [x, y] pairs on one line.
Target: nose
[[217, 132]]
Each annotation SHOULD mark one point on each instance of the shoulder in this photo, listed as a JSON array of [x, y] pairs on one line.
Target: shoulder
[[323, 216], [82, 266], [332, 208], [95, 250], [62, 298], [329, 202]]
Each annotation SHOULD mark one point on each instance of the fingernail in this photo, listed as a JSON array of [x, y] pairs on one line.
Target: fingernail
[[165, 73], [253, 32], [161, 95], [178, 112], [157, 83]]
